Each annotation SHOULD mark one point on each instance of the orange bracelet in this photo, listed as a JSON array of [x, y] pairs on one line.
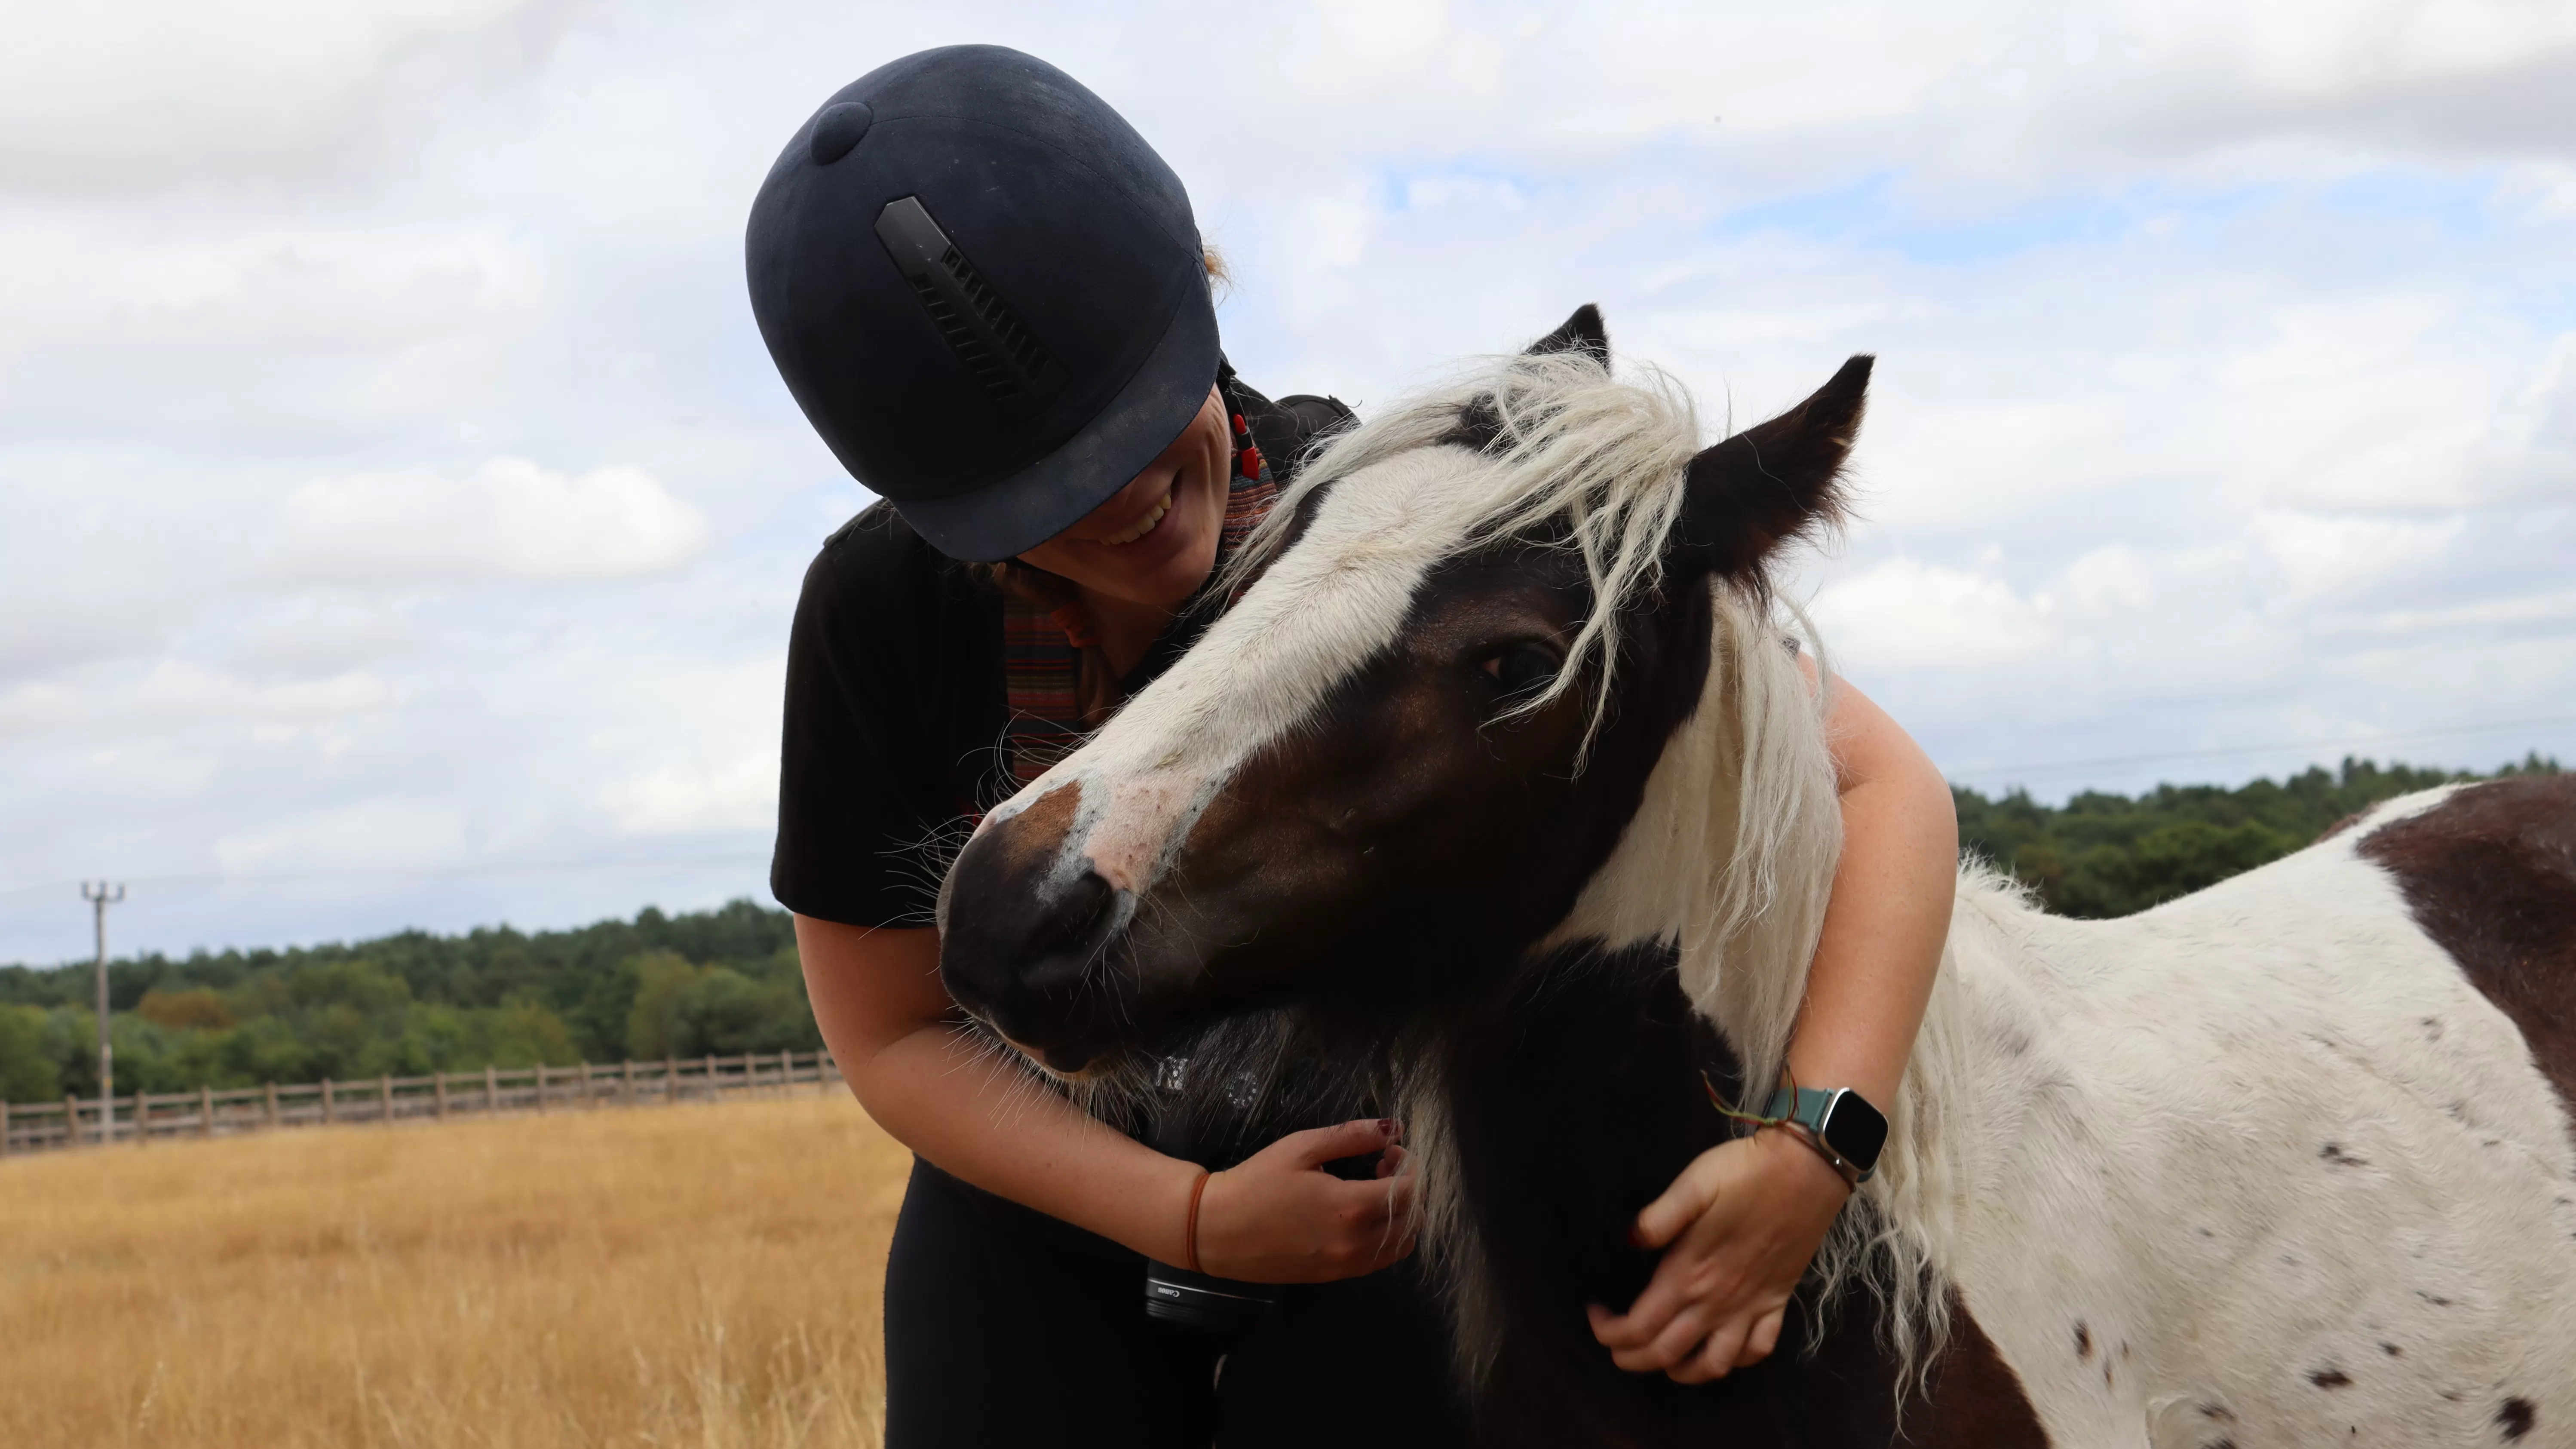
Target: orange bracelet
[[1190, 1232]]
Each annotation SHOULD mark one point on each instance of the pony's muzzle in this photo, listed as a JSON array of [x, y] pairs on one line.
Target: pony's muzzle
[[1031, 955]]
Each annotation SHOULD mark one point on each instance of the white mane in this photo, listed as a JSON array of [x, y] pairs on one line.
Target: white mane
[[1599, 458]]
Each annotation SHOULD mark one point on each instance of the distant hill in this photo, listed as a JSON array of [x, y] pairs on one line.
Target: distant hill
[[726, 981]]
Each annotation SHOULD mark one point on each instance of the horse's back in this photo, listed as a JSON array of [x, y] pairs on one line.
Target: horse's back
[[2489, 872], [2307, 1157]]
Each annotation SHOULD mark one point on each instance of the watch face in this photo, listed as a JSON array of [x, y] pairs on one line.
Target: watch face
[[1854, 1129]]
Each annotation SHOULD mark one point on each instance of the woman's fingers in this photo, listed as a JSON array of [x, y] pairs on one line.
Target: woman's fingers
[[1279, 1218], [1620, 1332], [1674, 1342], [1394, 1247], [1396, 1191], [1685, 1277], [1645, 1320], [1683, 1203], [1715, 1357], [1764, 1338], [1318, 1145], [1375, 1201]]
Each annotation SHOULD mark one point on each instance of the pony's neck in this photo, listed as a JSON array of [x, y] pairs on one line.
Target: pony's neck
[[1728, 863], [1730, 856], [1573, 1094]]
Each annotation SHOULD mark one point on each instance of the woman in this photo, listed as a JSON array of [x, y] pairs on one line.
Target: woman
[[988, 295]]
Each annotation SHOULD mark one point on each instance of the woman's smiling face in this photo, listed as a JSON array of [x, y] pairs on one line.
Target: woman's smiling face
[[1155, 540]]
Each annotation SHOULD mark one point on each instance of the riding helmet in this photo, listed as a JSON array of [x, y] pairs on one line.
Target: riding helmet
[[985, 290]]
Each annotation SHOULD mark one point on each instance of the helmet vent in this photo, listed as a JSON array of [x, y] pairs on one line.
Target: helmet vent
[[1015, 369]]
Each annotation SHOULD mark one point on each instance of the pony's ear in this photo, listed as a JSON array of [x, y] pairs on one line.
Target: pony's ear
[[1480, 424], [1581, 332], [1771, 483]]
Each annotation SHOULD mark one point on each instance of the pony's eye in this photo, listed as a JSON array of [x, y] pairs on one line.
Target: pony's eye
[[1522, 667]]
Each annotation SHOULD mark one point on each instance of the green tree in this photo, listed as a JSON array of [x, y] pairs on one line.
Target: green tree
[[655, 1026], [28, 1072], [2103, 855]]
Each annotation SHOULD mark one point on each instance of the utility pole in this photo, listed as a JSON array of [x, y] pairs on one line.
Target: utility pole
[[100, 897]]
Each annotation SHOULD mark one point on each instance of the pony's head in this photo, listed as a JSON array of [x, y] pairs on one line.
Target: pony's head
[[1459, 649]]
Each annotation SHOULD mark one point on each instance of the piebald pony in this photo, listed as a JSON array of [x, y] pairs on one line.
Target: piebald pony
[[1500, 762]]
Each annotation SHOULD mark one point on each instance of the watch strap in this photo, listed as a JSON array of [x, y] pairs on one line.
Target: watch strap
[[1807, 1108]]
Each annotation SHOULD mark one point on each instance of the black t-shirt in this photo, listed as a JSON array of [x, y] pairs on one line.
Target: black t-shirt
[[895, 702]]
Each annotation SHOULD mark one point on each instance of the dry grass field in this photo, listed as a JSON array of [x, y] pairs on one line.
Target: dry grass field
[[704, 1276]]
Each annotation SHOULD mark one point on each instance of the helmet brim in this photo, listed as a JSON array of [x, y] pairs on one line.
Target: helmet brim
[[1005, 519]]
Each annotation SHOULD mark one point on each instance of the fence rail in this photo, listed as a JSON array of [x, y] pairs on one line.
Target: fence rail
[[383, 1101]]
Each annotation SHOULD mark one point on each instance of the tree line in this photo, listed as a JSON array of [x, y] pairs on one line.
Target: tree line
[[2101, 855], [726, 981]]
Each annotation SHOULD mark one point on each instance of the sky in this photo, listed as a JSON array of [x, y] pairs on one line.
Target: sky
[[400, 519]]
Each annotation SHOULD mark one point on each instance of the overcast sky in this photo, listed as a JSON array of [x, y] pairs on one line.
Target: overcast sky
[[400, 520]]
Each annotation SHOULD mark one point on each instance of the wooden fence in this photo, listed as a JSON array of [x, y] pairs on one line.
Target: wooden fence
[[384, 1101]]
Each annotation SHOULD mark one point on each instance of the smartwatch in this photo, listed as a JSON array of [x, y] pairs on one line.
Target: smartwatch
[[1840, 1123]]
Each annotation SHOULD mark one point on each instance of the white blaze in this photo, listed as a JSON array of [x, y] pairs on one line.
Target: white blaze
[[1325, 607]]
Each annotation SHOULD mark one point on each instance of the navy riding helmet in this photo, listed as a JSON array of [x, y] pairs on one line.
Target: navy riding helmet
[[986, 291]]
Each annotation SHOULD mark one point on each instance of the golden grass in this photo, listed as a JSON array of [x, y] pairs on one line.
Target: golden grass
[[705, 1276]]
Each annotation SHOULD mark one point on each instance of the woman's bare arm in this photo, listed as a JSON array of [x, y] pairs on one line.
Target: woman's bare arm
[[1744, 1219], [927, 1080], [1890, 913]]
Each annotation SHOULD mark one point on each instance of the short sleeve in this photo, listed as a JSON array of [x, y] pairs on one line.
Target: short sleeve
[[893, 708]]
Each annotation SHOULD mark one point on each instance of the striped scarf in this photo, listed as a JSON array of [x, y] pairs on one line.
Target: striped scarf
[[1042, 648]]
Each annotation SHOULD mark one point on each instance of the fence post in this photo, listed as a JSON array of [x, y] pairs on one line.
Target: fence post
[[142, 1117], [715, 1091], [441, 1079], [330, 1105], [71, 1120], [541, 1089], [670, 1081], [491, 1089], [787, 1073], [385, 1097], [586, 1101], [272, 1104], [626, 1070], [4, 1126], [205, 1110]]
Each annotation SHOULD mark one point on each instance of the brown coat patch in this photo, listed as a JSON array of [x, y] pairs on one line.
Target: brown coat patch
[[2490, 875], [1977, 1399]]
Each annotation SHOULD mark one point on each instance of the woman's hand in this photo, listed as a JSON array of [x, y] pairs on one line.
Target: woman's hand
[[1280, 1218], [1743, 1222]]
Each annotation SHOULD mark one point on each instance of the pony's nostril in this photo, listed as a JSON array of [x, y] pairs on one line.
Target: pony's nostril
[[1070, 932], [1078, 914]]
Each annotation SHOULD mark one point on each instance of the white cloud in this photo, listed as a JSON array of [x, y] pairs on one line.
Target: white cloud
[[510, 519], [740, 796], [1930, 617], [101, 94], [363, 835], [389, 471]]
